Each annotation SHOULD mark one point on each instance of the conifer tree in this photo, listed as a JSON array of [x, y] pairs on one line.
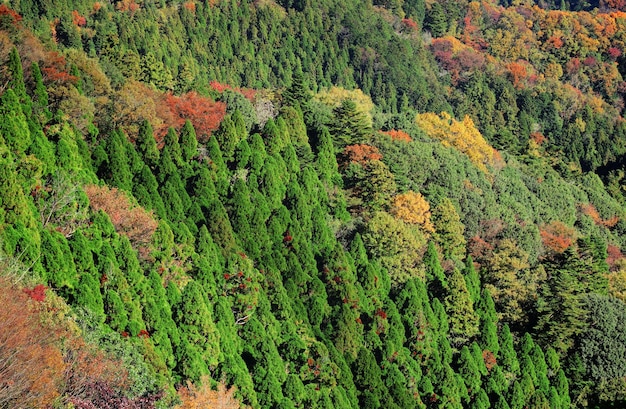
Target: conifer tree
[[40, 98], [13, 125], [461, 315], [188, 141], [146, 145], [199, 348], [349, 126], [16, 82]]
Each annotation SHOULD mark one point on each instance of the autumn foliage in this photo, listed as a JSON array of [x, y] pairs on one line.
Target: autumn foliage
[[31, 366], [204, 113], [130, 220], [462, 135], [398, 135], [360, 153], [202, 396], [557, 236], [412, 208], [591, 211]]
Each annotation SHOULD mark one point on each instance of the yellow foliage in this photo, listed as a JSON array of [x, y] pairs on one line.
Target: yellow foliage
[[461, 135], [412, 208], [334, 96], [203, 397], [617, 282]]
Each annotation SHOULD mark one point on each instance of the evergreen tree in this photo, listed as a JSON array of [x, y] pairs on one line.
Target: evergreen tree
[[461, 315], [199, 349], [188, 141], [146, 145], [349, 126]]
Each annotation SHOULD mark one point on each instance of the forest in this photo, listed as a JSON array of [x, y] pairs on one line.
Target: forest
[[395, 204]]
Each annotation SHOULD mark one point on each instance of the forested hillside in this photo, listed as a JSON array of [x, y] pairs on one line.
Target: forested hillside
[[298, 204]]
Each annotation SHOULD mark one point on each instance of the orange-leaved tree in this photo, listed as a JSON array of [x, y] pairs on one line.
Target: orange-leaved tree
[[31, 364], [557, 236], [131, 220]]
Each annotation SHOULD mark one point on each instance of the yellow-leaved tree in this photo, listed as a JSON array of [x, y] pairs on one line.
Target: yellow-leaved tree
[[461, 135], [412, 208]]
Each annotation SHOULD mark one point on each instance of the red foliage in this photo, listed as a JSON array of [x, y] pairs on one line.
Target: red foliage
[[410, 24], [101, 395], [557, 236], [360, 153], [78, 20], [380, 313], [248, 93], [398, 135], [54, 69], [590, 61], [37, 293], [615, 4], [614, 53], [204, 113], [143, 334], [6, 14], [456, 62], [479, 249], [572, 66]]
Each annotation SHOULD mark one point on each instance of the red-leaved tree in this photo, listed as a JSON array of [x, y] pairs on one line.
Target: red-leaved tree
[[204, 113]]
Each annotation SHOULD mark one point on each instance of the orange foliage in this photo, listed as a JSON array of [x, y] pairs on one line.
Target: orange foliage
[[398, 135], [78, 20], [538, 137], [518, 72], [54, 70], [360, 153], [411, 207], [190, 5], [132, 221], [557, 236], [410, 24], [31, 366], [490, 359], [127, 5], [201, 397], [204, 114], [591, 211]]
